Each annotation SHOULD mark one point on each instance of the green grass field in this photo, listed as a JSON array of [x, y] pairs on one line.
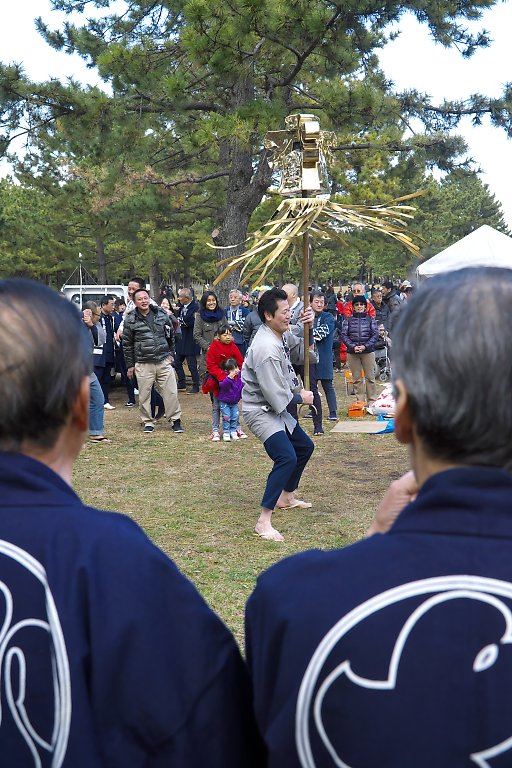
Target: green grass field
[[199, 500]]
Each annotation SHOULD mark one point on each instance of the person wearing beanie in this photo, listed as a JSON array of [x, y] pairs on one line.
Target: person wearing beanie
[[360, 333]]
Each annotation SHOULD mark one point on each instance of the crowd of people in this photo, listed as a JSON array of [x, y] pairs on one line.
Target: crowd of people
[[150, 340], [393, 651]]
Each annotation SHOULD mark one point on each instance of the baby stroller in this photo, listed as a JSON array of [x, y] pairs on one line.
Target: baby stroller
[[382, 361]]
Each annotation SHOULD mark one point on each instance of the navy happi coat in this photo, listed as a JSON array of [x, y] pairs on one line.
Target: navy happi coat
[[109, 657], [395, 651]]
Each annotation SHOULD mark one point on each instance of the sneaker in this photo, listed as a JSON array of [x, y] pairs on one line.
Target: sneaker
[[308, 416], [148, 429], [226, 437], [241, 434], [318, 432], [193, 391], [181, 387], [234, 436], [332, 417], [109, 407], [135, 391], [215, 437], [129, 404], [176, 427]]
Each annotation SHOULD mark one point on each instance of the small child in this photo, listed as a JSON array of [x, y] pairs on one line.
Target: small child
[[221, 348], [230, 392]]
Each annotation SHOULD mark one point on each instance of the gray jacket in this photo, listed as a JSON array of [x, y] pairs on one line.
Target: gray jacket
[[204, 331], [269, 383], [251, 325], [146, 342]]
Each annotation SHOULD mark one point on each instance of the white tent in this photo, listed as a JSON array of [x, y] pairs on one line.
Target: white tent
[[485, 247]]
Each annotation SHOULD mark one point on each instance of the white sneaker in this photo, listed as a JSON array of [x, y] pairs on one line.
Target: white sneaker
[[109, 407], [215, 437], [241, 434], [135, 391], [226, 437], [234, 436]]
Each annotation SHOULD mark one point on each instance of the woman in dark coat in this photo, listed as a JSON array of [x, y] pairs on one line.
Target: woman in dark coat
[[206, 324], [359, 333]]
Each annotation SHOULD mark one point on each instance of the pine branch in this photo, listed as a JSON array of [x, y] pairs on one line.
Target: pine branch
[[184, 180]]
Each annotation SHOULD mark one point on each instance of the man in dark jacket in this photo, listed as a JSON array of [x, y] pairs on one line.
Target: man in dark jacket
[[186, 347], [391, 300], [360, 333], [107, 306], [397, 650], [110, 657], [381, 309], [148, 338]]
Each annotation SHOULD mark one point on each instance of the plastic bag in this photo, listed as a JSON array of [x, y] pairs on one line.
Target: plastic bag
[[384, 405]]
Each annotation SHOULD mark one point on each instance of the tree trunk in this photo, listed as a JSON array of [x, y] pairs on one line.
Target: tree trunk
[[101, 260], [155, 278], [187, 281], [245, 190]]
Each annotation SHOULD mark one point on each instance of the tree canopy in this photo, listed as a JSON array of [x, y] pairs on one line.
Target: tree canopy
[[172, 149]]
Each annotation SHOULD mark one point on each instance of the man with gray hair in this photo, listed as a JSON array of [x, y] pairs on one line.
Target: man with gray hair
[[235, 315], [186, 347], [348, 307], [397, 650], [109, 656]]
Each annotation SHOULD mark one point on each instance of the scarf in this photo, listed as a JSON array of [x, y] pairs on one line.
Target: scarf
[[211, 315]]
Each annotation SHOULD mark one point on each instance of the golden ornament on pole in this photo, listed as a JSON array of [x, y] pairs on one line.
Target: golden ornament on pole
[[301, 153]]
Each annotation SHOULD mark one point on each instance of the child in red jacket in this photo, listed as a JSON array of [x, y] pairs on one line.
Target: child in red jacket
[[221, 348]]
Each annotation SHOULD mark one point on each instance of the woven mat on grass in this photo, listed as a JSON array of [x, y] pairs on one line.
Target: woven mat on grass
[[361, 426]]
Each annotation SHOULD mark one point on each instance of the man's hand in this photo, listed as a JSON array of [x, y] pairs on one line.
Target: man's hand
[[87, 317], [400, 493], [119, 335], [307, 316], [130, 372], [307, 397], [360, 348]]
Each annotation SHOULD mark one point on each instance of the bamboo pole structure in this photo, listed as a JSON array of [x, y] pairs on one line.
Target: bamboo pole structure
[[305, 299]]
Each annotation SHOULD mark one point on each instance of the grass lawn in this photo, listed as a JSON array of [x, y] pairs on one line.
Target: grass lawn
[[199, 500]]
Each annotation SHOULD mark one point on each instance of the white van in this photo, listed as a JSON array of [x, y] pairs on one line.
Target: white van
[[79, 294]]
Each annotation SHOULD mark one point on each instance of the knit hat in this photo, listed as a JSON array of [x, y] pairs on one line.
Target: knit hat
[[359, 300]]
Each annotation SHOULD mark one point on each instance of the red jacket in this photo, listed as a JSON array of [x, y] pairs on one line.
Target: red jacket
[[217, 353], [348, 309]]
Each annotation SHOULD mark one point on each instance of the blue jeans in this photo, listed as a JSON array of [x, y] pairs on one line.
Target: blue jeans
[[96, 410], [230, 415], [330, 396], [290, 454]]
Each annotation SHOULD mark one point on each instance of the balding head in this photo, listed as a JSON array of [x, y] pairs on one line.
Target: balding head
[[46, 353], [292, 291]]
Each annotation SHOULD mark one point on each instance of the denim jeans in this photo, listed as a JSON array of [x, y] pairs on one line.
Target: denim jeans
[[230, 415], [290, 454], [96, 410], [330, 396]]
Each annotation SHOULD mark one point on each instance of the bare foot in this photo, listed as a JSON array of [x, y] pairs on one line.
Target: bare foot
[[293, 503], [268, 533]]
